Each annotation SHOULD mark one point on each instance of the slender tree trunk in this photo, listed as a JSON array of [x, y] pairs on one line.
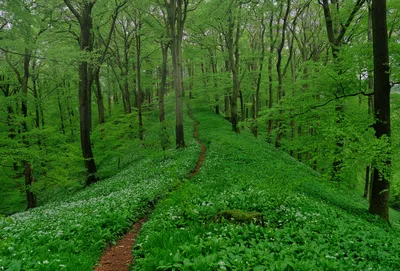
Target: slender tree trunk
[[99, 96], [29, 180], [36, 96], [70, 112], [368, 174], [60, 109], [367, 180], [85, 80], [233, 64], [281, 92], [27, 172], [177, 12], [176, 61], [109, 102], [227, 106], [204, 75], [215, 72], [124, 88], [139, 78], [379, 203], [257, 100], [164, 51], [270, 78]]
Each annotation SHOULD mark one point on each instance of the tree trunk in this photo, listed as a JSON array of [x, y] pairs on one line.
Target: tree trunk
[[270, 78], [29, 180], [227, 107], [30, 197], [61, 113], [85, 81], [232, 44], [368, 175], [99, 96], [281, 92], [70, 112], [139, 78], [177, 12], [109, 104], [367, 181], [336, 32], [379, 203], [164, 51], [176, 61]]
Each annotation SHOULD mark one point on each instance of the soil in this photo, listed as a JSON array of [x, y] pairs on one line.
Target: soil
[[203, 147], [120, 257], [202, 154]]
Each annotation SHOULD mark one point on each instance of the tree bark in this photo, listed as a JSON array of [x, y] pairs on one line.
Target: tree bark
[[281, 93], [232, 43], [368, 175], [60, 109], [28, 171], [177, 12], [379, 203], [29, 180], [139, 78], [270, 78], [163, 85], [99, 97]]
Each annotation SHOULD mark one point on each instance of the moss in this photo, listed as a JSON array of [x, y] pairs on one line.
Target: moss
[[239, 216]]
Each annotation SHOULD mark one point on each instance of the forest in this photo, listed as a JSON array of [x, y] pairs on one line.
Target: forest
[[222, 134]]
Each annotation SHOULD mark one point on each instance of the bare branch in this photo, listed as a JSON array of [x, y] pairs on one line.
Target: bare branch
[[337, 97], [73, 10]]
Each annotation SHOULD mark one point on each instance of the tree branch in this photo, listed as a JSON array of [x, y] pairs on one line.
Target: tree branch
[[337, 97], [73, 10]]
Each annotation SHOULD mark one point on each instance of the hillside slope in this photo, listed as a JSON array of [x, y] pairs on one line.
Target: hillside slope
[[71, 234], [252, 207]]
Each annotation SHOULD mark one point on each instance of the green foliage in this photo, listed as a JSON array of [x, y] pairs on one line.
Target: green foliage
[[309, 224], [70, 235], [238, 216]]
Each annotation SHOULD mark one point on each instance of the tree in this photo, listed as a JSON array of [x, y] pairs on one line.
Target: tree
[[336, 31], [379, 203], [85, 83], [176, 16]]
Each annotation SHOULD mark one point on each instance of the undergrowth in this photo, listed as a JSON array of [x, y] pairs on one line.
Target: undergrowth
[[308, 224], [70, 234]]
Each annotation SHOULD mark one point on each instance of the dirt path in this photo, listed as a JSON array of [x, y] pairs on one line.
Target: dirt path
[[119, 257], [203, 147]]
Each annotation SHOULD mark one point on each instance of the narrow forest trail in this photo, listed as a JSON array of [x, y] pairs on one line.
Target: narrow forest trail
[[119, 257], [203, 147]]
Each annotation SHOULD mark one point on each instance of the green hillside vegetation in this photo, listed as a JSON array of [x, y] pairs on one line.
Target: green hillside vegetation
[[307, 223], [254, 135], [71, 233]]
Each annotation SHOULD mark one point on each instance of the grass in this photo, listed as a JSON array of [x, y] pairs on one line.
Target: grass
[[251, 207], [71, 233], [308, 224]]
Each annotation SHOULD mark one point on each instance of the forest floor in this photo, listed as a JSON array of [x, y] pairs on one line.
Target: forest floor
[[119, 257], [210, 222], [213, 221]]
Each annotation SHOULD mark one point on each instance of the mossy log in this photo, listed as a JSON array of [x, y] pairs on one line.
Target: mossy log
[[239, 216]]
